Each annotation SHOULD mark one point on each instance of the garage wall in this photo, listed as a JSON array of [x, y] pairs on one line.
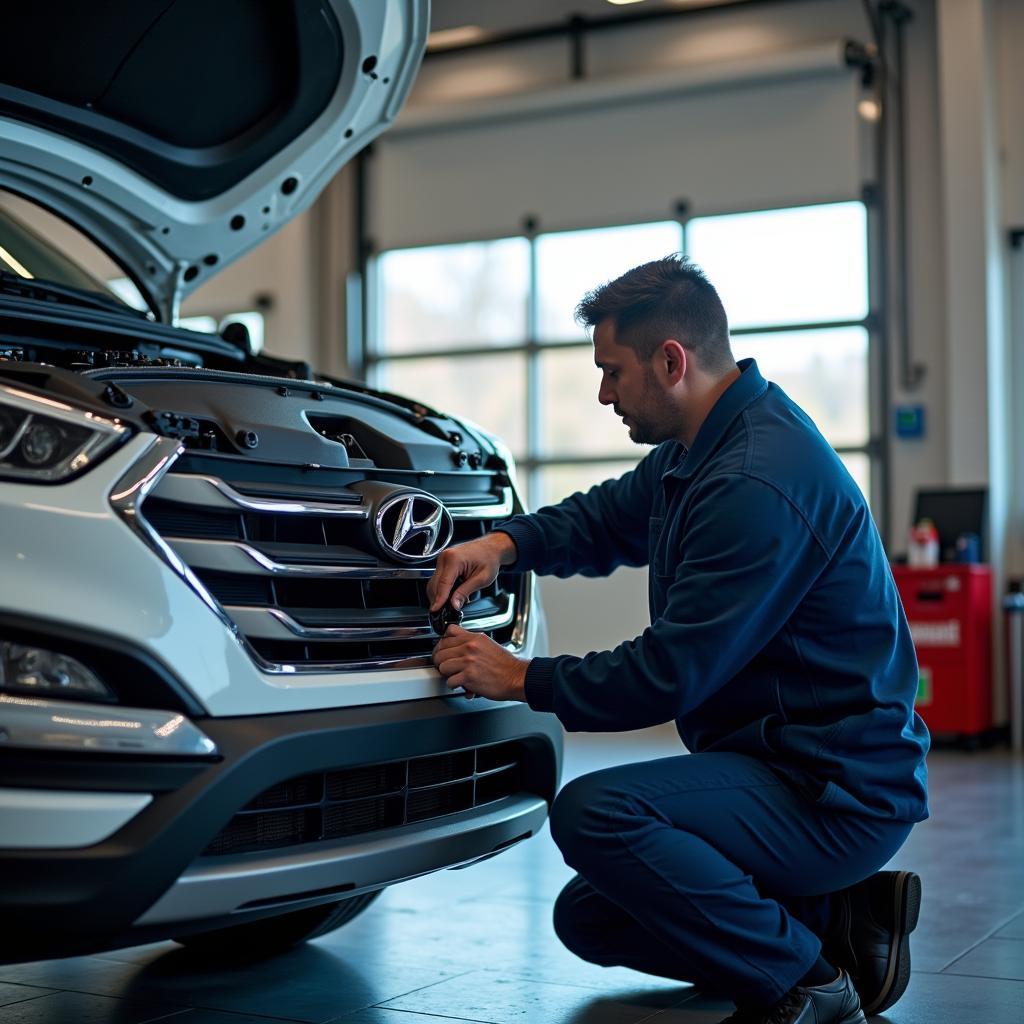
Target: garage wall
[[751, 133]]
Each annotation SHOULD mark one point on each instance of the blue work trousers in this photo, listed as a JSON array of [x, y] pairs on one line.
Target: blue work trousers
[[710, 868]]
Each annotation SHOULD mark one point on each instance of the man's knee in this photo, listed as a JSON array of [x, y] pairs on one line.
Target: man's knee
[[579, 816]]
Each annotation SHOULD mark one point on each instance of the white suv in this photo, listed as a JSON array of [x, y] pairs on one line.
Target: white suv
[[219, 721]]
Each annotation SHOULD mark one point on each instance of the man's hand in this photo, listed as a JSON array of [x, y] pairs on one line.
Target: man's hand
[[483, 667], [476, 562]]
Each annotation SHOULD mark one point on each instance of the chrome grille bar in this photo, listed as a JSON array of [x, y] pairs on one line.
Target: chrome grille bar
[[242, 558], [493, 511], [275, 624], [211, 492]]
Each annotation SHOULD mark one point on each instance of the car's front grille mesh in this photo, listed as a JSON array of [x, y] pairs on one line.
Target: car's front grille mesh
[[305, 584], [354, 801]]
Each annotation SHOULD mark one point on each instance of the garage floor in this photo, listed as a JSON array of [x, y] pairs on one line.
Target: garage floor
[[478, 945]]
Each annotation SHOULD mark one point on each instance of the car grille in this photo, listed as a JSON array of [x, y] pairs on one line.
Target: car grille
[[347, 802], [294, 568]]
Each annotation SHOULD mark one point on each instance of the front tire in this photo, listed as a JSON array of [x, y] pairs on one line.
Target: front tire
[[272, 935]]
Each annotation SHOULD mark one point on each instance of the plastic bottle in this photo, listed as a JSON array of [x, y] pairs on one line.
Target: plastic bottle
[[923, 549]]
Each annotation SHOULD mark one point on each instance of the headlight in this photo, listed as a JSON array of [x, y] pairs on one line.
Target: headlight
[[46, 441], [25, 669]]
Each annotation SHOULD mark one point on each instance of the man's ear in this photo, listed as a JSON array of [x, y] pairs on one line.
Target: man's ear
[[674, 360]]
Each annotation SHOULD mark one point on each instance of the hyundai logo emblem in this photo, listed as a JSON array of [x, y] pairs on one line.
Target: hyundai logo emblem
[[413, 527]]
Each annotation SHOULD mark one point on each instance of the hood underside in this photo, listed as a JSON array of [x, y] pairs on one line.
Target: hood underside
[[178, 134]]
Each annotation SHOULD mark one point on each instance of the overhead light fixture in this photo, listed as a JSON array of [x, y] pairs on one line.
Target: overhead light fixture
[[622, 3], [444, 38]]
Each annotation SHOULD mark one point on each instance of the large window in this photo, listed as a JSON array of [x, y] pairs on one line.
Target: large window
[[485, 330]]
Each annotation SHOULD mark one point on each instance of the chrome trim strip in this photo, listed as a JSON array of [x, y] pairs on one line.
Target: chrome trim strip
[[212, 492], [215, 886], [502, 508], [518, 641], [39, 724], [240, 557], [128, 495], [274, 624]]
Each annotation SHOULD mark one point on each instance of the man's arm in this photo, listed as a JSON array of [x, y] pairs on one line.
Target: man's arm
[[592, 534], [748, 562]]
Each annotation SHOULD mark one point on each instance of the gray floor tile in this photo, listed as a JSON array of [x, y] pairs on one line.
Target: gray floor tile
[[138, 954], [496, 998], [993, 958], [79, 1008], [308, 984], [91, 975], [19, 993], [953, 999], [698, 1010], [380, 1015], [219, 1017]]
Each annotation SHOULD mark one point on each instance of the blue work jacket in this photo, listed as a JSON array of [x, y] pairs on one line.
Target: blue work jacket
[[776, 628]]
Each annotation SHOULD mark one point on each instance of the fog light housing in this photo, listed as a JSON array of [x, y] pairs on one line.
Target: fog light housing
[[27, 669]]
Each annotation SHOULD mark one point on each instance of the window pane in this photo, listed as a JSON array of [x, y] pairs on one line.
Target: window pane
[[254, 323], [447, 295], [571, 420], [824, 372], [571, 263], [859, 466], [489, 390], [805, 265], [202, 323], [558, 482]]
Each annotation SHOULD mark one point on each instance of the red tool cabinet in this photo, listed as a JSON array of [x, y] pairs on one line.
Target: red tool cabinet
[[949, 609]]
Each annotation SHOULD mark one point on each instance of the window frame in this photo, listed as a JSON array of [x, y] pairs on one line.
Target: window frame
[[532, 463]]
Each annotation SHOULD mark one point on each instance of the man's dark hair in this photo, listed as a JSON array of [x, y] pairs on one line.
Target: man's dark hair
[[666, 298]]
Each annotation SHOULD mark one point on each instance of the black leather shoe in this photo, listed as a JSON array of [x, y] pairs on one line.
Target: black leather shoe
[[872, 941], [834, 1003]]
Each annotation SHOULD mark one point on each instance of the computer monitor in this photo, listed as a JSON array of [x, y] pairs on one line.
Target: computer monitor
[[954, 511]]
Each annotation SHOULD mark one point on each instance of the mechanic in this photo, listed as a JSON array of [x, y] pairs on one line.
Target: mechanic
[[778, 646]]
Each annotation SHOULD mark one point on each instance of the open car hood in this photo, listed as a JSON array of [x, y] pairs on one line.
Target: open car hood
[[179, 134]]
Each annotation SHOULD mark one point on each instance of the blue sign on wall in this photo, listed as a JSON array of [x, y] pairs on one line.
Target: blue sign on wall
[[910, 421]]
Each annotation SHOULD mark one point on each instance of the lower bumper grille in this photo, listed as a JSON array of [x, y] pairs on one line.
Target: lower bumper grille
[[355, 801]]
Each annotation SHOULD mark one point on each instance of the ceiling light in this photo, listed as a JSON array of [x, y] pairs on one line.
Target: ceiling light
[[622, 3], [870, 110], [444, 38]]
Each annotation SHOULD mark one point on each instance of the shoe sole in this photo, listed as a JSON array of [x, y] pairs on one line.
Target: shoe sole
[[906, 910]]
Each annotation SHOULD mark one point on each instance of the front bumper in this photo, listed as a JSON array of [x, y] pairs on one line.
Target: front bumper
[[150, 879], [70, 558]]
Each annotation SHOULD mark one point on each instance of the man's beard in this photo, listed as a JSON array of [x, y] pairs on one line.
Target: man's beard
[[655, 421]]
